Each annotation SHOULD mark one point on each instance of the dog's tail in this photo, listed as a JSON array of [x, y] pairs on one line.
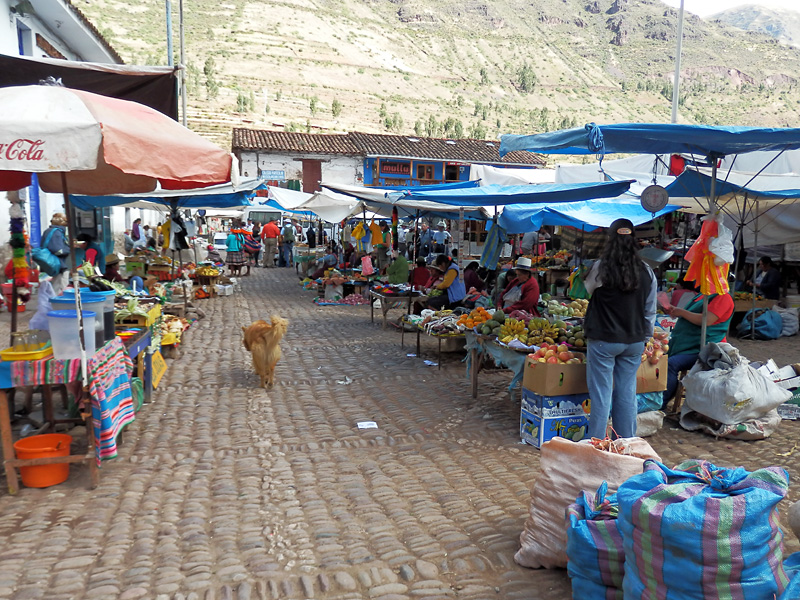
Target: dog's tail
[[278, 329]]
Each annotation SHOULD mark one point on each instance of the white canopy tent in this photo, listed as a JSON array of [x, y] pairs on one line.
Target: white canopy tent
[[489, 175]]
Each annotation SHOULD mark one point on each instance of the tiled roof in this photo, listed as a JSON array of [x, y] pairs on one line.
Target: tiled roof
[[90, 26], [257, 139], [372, 144]]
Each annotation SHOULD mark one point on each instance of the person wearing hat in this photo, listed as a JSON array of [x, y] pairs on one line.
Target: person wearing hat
[[619, 319], [441, 237], [522, 292], [111, 272], [397, 272], [213, 255]]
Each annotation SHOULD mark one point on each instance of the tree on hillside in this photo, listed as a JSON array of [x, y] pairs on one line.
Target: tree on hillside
[[478, 131], [526, 78], [312, 104], [210, 71], [242, 102], [419, 128], [484, 76], [336, 108]]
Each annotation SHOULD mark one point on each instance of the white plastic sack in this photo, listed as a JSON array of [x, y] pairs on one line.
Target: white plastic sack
[[568, 468], [755, 429], [648, 423], [722, 246], [39, 320], [791, 323], [731, 396]]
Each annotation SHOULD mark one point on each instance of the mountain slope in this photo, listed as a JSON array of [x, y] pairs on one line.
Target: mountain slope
[[783, 25], [451, 68]]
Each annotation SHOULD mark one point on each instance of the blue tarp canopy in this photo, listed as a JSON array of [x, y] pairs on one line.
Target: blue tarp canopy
[[586, 214], [697, 184], [215, 196], [654, 138], [497, 195]]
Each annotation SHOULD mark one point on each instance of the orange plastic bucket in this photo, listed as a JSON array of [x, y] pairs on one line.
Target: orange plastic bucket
[[48, 445]]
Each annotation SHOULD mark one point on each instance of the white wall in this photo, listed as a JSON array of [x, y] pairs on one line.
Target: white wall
[[336, 169]]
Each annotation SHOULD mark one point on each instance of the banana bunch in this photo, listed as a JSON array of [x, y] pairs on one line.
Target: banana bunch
[[542, 331], [513, 329]]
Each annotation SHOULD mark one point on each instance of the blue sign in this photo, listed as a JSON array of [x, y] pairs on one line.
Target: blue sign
[[35, 234], [274, 175]]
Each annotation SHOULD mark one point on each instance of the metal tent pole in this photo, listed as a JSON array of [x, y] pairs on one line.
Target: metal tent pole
[[755, 255], [75, 283], [712, 209]]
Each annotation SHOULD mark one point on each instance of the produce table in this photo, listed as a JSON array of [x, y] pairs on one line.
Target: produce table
[[136, 348], [390, 301], [439, 338], [112, 404], [745, 305], [480, 345]]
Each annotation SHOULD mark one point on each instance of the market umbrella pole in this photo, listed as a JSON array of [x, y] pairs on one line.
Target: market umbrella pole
[[75, 282], [712, 205], [755, 253]]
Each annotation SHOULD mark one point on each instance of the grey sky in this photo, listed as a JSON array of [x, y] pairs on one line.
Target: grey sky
[[705, 8]]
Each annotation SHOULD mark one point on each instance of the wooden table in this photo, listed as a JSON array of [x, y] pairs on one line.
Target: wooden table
[[136, 347], [439, 338], [479, 346], [209, 281], [390, 301], [745, 305]]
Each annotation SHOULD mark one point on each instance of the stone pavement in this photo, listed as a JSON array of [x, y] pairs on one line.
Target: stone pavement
[[224, 490]]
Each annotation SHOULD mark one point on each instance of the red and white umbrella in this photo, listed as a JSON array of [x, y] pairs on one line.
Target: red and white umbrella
[[103, 145], [84, 143]]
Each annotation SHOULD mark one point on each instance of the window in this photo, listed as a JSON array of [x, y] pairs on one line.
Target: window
[[424, 171], [451, 173]]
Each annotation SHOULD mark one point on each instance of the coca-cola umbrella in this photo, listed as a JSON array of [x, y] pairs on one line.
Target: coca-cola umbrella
[[84, 143]]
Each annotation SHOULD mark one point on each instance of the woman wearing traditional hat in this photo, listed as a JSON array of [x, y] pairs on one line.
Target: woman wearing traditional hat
[[111, 272], [522, 293], [619, 319], [55, 240], [441, 237]]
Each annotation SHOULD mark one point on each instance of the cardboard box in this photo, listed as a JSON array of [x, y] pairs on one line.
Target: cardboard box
[[554, 380], [555, 406], [224, 290], [652, 378], [536, 430]]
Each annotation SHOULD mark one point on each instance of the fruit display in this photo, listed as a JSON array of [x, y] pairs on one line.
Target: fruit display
[[746, 296], [513, 329], [557, 354], [443, 325], [656, 347], [576, 308], [541, 331], [477, 317], [207, 271]]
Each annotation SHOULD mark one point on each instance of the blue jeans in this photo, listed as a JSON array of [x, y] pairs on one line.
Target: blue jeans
[[611, 375], [286, 251], [677, 363]]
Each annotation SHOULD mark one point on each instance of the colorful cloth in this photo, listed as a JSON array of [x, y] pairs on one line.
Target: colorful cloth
[[110, 371], [713, 279]]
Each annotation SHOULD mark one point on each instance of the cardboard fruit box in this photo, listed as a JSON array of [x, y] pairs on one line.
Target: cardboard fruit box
[[652, 378], [536, 430], [547, 379]]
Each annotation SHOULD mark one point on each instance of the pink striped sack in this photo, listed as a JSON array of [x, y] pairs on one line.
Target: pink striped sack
[[701, 532]]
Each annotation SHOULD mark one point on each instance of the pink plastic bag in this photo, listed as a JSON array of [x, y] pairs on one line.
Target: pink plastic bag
[[366, 266]]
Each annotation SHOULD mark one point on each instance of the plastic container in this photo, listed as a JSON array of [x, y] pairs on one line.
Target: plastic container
[[108, 309], [64, 327], [49, 445], [91, 302], [792, 301]]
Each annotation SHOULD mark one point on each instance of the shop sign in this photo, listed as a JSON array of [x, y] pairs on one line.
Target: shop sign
[[395, 168], [274, 175], [158, 366]]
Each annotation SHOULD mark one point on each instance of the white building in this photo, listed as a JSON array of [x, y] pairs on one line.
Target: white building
[[55, 30]]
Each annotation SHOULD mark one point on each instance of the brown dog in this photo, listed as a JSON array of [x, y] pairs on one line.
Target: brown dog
[[263, 339]]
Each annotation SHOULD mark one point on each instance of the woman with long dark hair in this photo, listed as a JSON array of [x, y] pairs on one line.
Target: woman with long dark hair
[[619, 320]]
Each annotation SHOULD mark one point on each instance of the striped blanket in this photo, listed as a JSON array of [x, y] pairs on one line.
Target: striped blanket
[[110, 372]]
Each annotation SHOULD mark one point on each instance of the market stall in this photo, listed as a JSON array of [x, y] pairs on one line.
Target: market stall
[[96, 145]]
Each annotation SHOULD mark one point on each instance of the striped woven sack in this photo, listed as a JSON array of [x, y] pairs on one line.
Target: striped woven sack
[[594, 547], [701, 532]]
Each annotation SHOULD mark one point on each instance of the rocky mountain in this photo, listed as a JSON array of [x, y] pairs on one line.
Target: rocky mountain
[[454, 68], [783, 25]]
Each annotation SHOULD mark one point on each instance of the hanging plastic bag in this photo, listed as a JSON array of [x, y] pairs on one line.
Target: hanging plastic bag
[[722, 246], [768, 325], [40, 320], [366, 266], [791, 323]]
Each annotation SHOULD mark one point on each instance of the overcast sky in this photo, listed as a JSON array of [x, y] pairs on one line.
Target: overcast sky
[[710, 7]]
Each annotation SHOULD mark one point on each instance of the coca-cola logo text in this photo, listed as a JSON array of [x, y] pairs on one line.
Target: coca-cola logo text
[[22, 149]]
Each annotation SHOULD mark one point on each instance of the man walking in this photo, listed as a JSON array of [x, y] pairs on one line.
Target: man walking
[[287, 242], [269, 235]]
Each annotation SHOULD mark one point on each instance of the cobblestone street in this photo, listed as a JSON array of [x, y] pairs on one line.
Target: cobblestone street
[[223, 490]]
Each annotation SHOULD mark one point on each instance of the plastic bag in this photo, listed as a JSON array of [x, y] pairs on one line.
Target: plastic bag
[[768, 324], [594, 547], [731, 396], [789, 319], [722, 246], [648, 423], [568, 468], [699, 531], [648, 402], [755, 429], [40, 320]]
